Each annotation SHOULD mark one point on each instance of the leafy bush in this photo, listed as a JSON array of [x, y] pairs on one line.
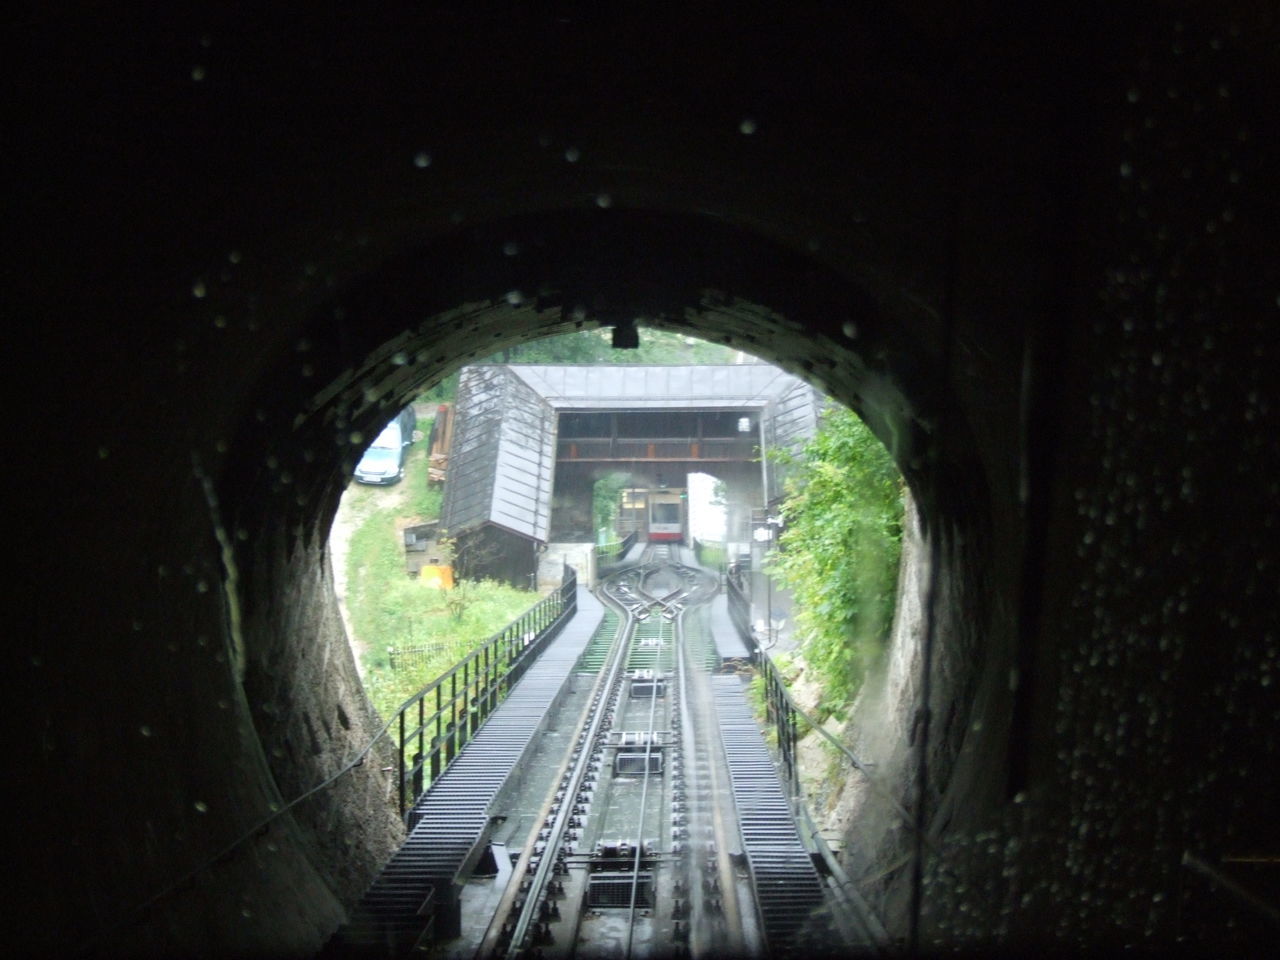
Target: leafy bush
[[390, 610], [604, 502], [840, 550], [712, 554]]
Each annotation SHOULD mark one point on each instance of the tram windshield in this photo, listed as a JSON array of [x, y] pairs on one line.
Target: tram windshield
[[666, 513]]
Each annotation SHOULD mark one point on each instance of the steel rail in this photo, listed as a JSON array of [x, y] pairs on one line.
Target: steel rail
[[555, 838], [644, 800], [644, 790]]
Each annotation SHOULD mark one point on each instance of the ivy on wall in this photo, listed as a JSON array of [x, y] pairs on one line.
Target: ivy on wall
[[839, 552]]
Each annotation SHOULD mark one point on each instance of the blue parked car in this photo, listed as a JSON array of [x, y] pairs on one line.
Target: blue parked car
[[383, 461]]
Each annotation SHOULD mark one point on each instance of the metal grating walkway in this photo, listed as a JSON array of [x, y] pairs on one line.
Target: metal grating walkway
[[788, 888], [449, 825]]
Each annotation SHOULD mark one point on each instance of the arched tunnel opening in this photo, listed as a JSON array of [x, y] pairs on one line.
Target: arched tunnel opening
[[270, 487], [1029, 251], [392, 675], [579, 271]]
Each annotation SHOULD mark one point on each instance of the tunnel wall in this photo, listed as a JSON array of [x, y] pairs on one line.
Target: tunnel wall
[[1034, 253]]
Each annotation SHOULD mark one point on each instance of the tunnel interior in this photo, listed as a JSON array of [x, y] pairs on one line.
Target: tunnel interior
[[1032, 255], [671, 272]]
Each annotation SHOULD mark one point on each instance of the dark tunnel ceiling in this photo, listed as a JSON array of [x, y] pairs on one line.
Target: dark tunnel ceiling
[[692, 275]]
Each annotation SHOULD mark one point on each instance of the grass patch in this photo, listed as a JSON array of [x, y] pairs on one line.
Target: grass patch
[[424, 498], [712, 554], [390, 610]]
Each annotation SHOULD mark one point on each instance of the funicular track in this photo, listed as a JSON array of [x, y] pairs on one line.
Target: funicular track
[[663, 832], [641, 852]]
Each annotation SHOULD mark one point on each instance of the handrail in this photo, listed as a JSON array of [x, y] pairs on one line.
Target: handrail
[[781, 710], [739, 607], [613, 552], [476, 685], [568, 588]]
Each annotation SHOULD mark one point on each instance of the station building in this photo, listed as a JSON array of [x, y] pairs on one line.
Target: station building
[[531, 440]]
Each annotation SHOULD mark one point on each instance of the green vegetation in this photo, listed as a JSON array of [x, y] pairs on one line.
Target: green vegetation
[[605, 494], [449, 640], [390, 610], [840, 551], [712, 554], [425, 498]]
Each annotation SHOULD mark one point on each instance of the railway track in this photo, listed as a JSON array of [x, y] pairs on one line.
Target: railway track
[[633, 857], [663, 830]]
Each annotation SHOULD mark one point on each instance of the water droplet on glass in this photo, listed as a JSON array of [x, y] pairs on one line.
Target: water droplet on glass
[[201, 806], [510, 248], [399, 358], [515, 298], [202, 586], [355, 437], [747, 127], [850, 330], [604, 201], [197, 73], [572, 154], [145, 730], [103, 453], [198, 290], [1134, 95], [422, 160], [1126, 170]]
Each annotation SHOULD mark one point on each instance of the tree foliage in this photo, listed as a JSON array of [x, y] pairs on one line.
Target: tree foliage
[[604, 500], [840, 550]]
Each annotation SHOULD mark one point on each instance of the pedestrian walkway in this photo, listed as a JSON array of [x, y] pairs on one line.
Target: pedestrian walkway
[[452, 821]]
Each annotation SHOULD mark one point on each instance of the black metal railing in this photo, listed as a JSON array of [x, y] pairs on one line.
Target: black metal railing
[[739, 606], [418, 655], [613, 552], [435, 723], [785, 717]]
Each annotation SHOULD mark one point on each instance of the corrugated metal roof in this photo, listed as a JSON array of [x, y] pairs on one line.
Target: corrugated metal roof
[[641, 387], [789, 421], [502, 465]]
